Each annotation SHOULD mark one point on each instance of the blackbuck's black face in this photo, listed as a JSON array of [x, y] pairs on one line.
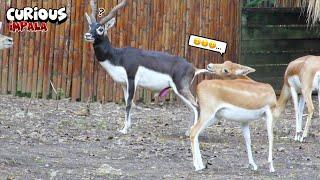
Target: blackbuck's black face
[[97, 30]]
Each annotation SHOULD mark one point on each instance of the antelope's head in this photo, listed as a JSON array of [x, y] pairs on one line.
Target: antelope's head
[[230, 70], [97, 30], [5, 42]]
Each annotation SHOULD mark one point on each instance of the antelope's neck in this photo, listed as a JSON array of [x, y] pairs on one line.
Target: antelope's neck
[[103, 49]]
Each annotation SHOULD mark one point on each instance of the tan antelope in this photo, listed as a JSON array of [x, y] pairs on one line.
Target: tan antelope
[[301, 77], [242, 100], [5, 42]]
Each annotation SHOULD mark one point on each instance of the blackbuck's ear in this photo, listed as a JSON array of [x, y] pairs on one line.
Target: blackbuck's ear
[[244, 70], [109, 24], [88, 18]]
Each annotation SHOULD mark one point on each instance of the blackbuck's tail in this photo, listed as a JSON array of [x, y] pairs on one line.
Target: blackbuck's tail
[[200, 71]]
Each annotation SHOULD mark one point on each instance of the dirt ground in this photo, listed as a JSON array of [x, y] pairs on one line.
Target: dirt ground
[[39, 141]]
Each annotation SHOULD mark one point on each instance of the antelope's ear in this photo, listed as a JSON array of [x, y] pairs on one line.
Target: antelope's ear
[[0, 25], [88, 18], [244, 70], [110, 24]]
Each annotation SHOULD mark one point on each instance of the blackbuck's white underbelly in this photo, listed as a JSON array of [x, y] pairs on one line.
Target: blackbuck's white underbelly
[[234, 113], [144, 77], [151, 79], [294, 81], [117, 73]]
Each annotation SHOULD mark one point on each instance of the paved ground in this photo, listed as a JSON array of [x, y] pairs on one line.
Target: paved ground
[[39, 141]]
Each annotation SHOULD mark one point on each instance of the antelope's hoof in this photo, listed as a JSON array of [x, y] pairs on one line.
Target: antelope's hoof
[[272, 169], [252, 166], [187, 133], [123, 131], [298, 136], [199, 167], [302, 139]]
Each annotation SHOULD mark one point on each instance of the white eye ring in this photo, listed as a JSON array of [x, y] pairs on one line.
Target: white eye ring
[[100, 30]]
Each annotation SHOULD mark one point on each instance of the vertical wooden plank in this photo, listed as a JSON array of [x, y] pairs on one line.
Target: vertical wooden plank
[[60, 52], [41, 58], [71, 55], [36, 54], [21, 42], [5, 60], [26, 59], [56, 61], [10, 58], [84, 67], [15, 58], [77, 60], [66, 41]]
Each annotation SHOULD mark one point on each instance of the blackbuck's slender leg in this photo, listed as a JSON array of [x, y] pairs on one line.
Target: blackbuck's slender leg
[[308, 97], [246, 134], [190, 100], [125, 93], [269, 119], [130, 95], [294, 95], [204, 121], [192, 104]]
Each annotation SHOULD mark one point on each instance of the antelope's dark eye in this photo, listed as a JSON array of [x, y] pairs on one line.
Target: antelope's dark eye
[[225, 71]]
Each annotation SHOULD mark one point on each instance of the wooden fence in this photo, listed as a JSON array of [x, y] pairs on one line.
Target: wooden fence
[[62, 57]]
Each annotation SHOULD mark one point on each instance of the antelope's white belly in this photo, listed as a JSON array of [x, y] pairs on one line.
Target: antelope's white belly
[[117, 73], [231, 112], [295, 82], [150, 79], [316, 81]]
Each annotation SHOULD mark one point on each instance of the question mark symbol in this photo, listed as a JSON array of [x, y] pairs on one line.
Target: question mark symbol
[[101, 11]]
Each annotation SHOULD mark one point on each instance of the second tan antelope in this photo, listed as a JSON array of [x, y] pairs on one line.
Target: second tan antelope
[[242, 100], [301, 77], [5, 42]]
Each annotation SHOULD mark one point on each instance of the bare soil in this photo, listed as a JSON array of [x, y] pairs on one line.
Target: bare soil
[[39, 141]]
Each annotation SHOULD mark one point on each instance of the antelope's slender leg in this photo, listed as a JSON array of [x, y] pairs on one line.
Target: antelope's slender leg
[[308, 97], [269, 119], [196, 129], [130, 92], [294, 95], [246, 134], [299, 122]]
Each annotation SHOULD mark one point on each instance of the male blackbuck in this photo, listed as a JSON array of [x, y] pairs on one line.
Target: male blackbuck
[[5, 42], [242, 100], [301, 77], [136, 67]]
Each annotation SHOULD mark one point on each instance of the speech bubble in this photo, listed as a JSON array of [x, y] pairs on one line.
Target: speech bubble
[[208, 44]]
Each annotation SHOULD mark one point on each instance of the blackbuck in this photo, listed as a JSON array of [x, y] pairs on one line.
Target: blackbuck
[[237, 98], [301, 78], [136, 67], [5, 42]]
